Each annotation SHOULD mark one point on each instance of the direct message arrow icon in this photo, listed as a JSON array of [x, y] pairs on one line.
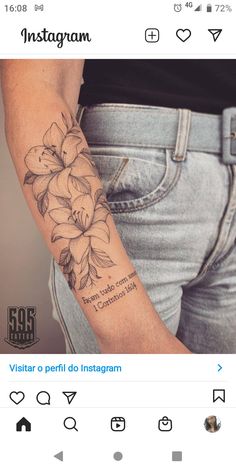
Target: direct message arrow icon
[[70, 396], [215, 33]]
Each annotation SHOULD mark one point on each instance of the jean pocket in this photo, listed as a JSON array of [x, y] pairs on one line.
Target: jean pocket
[[135, 178]]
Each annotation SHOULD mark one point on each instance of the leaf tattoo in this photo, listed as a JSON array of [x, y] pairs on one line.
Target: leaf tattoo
[[42, 203], [29, 177], [72, 279], [65, 256], [61, 169], [101, 258]]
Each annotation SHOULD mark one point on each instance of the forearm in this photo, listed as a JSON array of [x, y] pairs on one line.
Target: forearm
[[65, 196]]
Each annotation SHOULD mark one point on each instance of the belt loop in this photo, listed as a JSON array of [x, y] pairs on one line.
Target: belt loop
[[80, 113], [229, 136], [182, 135]]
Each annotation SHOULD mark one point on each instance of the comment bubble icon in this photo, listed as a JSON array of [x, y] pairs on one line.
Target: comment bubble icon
[[43, 398]]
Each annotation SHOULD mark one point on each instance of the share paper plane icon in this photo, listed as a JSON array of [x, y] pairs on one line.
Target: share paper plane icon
[[70, 396], [215, 33]]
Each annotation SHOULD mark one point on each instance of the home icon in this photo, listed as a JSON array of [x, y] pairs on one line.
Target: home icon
[[23, 425]]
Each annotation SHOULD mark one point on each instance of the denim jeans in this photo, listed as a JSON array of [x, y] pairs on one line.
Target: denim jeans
[[170, 179]]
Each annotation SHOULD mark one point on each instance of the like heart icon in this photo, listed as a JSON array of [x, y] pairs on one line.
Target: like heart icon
[[183, 34], [17, 397]]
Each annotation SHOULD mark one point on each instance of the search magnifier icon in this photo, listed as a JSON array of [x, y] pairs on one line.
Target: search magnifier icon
[[70, 423]]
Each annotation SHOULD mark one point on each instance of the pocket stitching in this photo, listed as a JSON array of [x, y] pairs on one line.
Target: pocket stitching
[[135, 206], [150, 198], [122, 166], [118, 173], [113, 156]]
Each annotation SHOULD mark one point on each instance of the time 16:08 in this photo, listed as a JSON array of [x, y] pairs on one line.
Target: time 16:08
[[15, 8]]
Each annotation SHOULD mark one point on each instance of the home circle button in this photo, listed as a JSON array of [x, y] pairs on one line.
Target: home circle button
[[118, 456]]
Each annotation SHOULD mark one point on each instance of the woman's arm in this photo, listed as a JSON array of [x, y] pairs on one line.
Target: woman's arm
[[64, 193]]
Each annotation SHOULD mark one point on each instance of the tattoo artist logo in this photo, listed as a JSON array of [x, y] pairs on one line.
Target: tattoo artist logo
[[21, 326]]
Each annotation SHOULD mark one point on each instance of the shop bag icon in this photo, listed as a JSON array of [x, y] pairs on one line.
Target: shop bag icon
[[165, 424]]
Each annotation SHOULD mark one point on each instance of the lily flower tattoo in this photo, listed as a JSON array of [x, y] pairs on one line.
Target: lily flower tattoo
[[61, 169]]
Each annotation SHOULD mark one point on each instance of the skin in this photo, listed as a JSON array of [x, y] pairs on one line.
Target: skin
[[64, 193]]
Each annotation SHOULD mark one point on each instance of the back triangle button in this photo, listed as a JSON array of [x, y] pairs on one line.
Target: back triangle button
[[59, 456]]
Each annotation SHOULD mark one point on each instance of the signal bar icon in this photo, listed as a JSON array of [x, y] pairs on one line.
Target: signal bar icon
[[199, 8]]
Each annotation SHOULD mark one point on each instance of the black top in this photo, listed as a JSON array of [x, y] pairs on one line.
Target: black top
[[204, 85]]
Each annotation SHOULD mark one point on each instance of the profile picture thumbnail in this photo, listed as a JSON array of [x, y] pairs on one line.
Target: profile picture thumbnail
[[212, 424]]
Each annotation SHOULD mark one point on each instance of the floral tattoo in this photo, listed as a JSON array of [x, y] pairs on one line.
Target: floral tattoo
[[61, 170]]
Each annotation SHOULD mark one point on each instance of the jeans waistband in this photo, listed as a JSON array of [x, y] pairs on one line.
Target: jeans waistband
[[182, 130]]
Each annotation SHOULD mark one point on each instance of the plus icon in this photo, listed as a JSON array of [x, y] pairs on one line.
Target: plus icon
[[152, 35]]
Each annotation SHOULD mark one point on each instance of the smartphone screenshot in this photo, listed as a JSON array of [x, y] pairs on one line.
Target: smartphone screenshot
[[117, 236]]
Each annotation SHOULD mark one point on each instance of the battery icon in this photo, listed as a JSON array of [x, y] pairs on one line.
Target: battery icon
[[209, 8]]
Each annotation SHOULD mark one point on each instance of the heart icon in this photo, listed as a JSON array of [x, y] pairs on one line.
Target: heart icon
[[183, 34], [17, 397]]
